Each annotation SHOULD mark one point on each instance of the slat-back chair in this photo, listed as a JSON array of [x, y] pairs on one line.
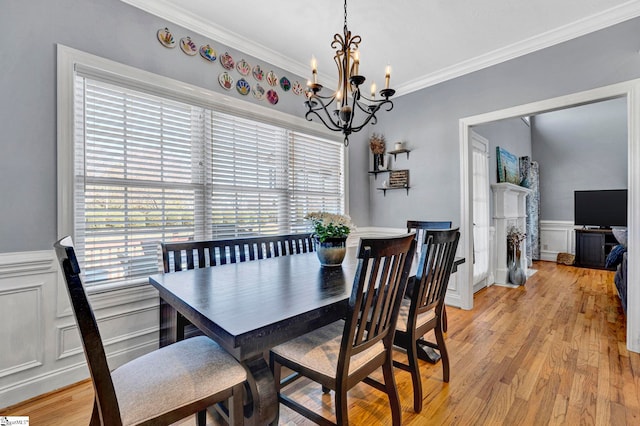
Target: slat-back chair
[[346, 352], [201, 254], [420, 227], [160, 387], [425, 309]]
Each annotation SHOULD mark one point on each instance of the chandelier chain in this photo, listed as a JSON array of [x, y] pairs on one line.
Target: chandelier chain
[[345, 16]]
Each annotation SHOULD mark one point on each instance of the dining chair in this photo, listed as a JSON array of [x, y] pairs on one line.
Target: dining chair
[[346, 352], [160, 387], [423, 312], [420, 227], [177, 256]]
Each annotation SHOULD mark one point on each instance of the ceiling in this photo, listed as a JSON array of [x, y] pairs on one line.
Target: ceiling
[[425, 41]]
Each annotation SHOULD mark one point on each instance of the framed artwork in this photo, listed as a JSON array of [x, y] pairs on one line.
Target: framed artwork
[[508, 167]]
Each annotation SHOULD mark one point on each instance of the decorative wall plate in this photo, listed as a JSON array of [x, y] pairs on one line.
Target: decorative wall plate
[[297, 88], [258, 74], [188, 46], [208, 53], [243, 67], [272, 97], [225, 80], [227, 61], [272, 78], [285, 84], [258, 91], [166, 38], [243, 87]]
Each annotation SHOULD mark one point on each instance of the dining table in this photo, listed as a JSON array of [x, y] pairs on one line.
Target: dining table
[[251, 307]]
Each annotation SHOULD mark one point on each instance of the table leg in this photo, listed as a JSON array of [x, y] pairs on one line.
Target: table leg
[[169, 328], [427, 353], [262, 401]]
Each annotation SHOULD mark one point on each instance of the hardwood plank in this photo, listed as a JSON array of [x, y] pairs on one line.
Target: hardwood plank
[[550, 352]]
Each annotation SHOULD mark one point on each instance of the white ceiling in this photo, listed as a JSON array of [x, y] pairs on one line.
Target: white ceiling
[[424, 41]]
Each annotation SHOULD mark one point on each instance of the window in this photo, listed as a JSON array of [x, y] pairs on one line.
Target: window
[[150, 167]]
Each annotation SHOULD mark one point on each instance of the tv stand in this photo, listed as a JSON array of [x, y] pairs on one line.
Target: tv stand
[[593, 246]]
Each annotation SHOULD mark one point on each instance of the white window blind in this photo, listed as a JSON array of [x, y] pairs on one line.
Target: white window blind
[[151, 169]]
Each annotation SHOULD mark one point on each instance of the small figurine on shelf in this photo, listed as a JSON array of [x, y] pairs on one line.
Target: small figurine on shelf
[[377, 146]]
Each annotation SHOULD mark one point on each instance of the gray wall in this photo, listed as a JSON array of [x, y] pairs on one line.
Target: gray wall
[[107, 28], [429, 119], [579, 148]]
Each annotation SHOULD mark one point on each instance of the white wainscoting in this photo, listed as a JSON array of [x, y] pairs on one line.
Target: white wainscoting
[[41, 349], [556, 237]]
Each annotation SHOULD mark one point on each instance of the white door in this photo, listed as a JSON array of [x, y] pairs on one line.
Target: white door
[[481, 202]]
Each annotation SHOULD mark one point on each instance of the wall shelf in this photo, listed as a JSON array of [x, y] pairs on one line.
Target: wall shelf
[[384, 190], [400, 151]]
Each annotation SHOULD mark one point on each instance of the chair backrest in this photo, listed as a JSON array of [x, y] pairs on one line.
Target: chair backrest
[[201, 254], [434, 270], [105, 395], [383, 269], [420, 226]]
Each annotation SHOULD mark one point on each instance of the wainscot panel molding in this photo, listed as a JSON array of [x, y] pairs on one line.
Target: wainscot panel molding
[[556, 236], [453, 290], [42, 350]]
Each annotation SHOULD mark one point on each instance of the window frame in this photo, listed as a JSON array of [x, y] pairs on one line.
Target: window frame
[[71, 60]]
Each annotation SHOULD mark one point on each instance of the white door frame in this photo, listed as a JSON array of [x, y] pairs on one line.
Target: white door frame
[[484, 142], [630, 90]]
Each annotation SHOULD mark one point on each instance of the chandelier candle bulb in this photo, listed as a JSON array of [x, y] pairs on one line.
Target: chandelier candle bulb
[[373, 90], [387, 76], [356, 62], [314, 69]]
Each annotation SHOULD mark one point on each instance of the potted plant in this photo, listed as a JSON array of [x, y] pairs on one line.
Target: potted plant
[[330, 232], [515, 237]]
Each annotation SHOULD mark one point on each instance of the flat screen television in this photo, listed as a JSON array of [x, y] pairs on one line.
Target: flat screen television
[[601, 208]]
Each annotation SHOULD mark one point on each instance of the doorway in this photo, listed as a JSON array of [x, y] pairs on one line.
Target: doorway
[[630, 90]]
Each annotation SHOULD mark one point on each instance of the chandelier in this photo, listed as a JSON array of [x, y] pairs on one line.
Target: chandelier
[[347, 110]]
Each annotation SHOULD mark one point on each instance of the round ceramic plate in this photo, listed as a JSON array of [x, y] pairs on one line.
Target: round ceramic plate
[[243, 87], [272, 78], [227, 61], [188, 46], [258, 91], [285, 84], [243, 67], [272, 97], [225, 80], [297, 88], [166, 38], [258, 74], [208, 53]]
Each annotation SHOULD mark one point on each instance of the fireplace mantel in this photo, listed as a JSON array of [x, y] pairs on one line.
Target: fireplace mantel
[[509, 209]]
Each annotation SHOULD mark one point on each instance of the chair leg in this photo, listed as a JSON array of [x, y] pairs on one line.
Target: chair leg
[[416, 379], [342, 413], [236, 409], [392, 391], [325, 390], [444, 319], [443, 353], [201, 418]]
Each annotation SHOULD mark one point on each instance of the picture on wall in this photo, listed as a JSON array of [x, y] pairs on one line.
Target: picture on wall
[[508, 167]]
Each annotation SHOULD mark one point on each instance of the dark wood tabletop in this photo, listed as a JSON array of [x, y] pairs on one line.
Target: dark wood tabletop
[[250, 307]]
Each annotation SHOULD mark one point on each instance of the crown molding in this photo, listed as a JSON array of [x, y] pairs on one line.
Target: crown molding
[[604, 19], [607, 18]]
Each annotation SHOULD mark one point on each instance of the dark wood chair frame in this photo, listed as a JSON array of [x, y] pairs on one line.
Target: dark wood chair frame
[[424, 225], [436, 263], [106, 410], [371, 318], [201, 254]]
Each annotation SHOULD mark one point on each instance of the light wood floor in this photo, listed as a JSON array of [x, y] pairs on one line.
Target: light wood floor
[[550, 352]]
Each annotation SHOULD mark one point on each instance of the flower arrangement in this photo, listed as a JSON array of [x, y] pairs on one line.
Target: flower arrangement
[[377, 143], [329, 225], [515, 236]]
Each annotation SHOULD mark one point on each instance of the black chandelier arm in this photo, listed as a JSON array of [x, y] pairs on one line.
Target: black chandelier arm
[[331, 124]]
